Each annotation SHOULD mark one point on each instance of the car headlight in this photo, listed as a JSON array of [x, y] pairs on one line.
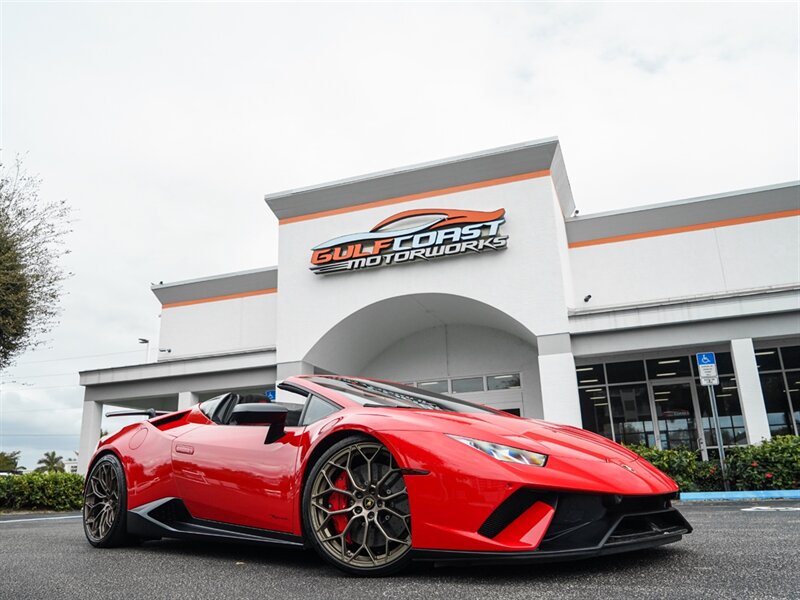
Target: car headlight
[[504, 453]]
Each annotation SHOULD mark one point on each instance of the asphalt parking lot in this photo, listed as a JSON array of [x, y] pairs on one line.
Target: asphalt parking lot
[[733, 553]]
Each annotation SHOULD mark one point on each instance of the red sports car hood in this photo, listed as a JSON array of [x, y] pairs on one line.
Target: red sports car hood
[[540, 436]]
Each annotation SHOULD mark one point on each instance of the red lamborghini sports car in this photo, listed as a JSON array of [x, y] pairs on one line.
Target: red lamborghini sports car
[[373, 475]]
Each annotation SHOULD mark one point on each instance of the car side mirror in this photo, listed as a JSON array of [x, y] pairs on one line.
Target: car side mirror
[[273, 415]]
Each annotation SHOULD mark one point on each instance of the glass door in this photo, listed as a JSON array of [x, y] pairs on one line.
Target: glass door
[[675, 406], [731, 422]]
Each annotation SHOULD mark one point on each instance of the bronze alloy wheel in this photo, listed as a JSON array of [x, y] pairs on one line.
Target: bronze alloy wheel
[[104, 503], [358, 510]]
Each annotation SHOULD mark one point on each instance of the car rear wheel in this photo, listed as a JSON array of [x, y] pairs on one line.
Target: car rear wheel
[[105, 504], [355, 508]]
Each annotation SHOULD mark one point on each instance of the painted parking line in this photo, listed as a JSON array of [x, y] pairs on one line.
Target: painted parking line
[[771, 509], [39, 519]]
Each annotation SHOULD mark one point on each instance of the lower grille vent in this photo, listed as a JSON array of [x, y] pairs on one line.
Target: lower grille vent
[[513, 507]]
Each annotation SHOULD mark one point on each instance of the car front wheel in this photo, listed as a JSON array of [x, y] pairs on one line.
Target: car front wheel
[[356, 510]]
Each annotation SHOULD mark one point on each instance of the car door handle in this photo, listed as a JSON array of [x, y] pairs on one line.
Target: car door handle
[[184, 449]]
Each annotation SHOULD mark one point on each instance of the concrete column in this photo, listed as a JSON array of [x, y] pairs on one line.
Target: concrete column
[[90, 433], [187, 400], [560, 402], [750, 395]]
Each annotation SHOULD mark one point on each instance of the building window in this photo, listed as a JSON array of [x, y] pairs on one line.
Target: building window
[[590, 375], [630, 412], [793, 389], [676, 366], [466, 385], [659, 402], [622, 372], [503, 382], [438, 386], [768, 360], [677, 427], [775, 399], [595, 411], [729, 409], [791, 357], [780, 385]]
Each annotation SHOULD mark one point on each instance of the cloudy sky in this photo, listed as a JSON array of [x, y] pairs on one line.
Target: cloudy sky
[[164, 124]]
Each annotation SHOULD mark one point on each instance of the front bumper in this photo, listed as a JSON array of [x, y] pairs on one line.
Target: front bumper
[[455, 557], [575, 526]]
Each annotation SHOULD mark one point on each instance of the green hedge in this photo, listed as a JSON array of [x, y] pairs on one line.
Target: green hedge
[[49, 491], [685, 467], [773, 465]]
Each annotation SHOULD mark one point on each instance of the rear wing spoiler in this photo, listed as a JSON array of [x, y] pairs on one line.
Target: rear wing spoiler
[[150, 413]]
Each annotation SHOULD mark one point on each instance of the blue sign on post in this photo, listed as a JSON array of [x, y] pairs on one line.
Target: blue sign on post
[[271, 395], [706, 358], [707, 369]]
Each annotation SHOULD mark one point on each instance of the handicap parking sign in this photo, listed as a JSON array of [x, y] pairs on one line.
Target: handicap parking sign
[[707, 367], [270, 394], [706, 358]]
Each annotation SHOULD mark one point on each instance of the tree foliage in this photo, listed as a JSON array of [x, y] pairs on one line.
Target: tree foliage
[[50, 463], [32, 233], [9, 462]]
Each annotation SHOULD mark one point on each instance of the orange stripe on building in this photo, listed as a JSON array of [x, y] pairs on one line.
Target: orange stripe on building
[[685, 228], [220, 298], [420, 196]]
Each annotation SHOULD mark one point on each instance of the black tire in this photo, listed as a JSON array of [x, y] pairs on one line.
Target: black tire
[[105, 504], [372, 500]]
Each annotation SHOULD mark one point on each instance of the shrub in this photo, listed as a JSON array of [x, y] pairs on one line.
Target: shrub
[[773, 465], [51, 491], [684, 466]]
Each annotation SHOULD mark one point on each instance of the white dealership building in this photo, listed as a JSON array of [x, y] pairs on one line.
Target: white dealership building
[[472, 276]]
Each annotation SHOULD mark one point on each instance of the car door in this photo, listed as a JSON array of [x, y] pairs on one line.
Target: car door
[[227, 473]]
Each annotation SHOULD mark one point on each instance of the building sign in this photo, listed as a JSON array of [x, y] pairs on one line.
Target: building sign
[[412, 235]]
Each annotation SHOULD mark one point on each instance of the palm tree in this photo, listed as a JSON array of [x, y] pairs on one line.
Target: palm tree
[[9, 461], [50, 463]]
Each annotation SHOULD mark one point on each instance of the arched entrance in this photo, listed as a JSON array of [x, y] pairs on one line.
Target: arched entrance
[[443, 342]]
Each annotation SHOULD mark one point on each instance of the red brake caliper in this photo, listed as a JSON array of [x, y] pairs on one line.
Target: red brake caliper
[[339, 501]]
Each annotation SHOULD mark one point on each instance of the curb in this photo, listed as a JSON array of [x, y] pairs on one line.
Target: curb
[[743, 495]]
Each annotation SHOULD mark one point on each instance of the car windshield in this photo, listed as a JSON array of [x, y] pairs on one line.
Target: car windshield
[[394, 395]]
